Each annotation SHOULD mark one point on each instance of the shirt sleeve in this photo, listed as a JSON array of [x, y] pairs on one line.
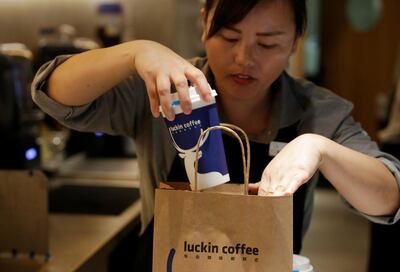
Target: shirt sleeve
[[117, 112], [350, 134]]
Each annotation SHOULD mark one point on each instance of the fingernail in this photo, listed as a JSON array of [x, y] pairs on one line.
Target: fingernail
[[155, 113], [187, 108], [171, 115]]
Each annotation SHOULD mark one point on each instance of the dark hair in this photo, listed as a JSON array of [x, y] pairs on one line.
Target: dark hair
[[228, 12]]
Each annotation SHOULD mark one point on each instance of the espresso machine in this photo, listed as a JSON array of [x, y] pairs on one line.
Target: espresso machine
[[19, 118]]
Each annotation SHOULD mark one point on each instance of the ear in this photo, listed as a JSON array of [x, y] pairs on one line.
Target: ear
[[296, 42], [203, 16]]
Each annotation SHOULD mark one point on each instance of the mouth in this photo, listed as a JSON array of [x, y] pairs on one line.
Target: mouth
[[242, 79]]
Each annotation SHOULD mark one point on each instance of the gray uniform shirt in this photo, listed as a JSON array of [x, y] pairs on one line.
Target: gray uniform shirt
[[125, 110]]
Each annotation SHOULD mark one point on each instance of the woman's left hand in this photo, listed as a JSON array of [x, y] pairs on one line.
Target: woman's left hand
[[293, 166]]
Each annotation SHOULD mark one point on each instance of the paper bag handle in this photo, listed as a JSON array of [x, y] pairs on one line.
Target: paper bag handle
[[245, 156]]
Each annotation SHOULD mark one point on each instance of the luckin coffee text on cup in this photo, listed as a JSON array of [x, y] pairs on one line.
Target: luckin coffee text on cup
[[188, 125]]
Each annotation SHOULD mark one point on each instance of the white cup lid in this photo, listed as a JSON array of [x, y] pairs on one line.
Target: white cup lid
[[194, 97], [301, 263]]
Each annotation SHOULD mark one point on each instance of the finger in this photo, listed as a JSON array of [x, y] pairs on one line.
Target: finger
[[292, 188], [181, 85], [298, 180], [164, 95], [153, 98], [253, 188], [279, 190], [265, 188], [199, 80]]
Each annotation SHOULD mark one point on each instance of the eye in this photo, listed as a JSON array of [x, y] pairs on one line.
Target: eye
[[229, 35], [267, 46], [229, 39]]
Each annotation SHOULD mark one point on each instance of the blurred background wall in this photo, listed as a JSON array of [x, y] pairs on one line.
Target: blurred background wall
[[357, 64], [172, 22]]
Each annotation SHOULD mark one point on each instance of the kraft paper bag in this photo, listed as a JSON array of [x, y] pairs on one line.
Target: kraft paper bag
[[221, 229]]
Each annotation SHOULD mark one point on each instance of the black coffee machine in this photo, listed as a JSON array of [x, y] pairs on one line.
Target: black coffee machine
[[19, 118]]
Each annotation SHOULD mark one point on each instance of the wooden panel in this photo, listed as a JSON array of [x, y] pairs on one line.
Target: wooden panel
[[23, 212], [79, 242], [359, 65]]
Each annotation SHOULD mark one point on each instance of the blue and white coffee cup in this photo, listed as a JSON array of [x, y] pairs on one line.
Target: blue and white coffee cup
[[185, 131]]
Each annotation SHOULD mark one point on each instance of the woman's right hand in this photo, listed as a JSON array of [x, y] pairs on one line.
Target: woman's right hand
[[160, 67]]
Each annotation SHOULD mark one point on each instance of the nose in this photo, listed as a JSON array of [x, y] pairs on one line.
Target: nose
[[243, 54]]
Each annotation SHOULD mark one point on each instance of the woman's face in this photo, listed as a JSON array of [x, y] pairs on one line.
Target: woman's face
[[246, 58]]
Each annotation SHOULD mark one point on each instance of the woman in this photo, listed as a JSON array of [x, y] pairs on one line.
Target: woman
[[248, 44]]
